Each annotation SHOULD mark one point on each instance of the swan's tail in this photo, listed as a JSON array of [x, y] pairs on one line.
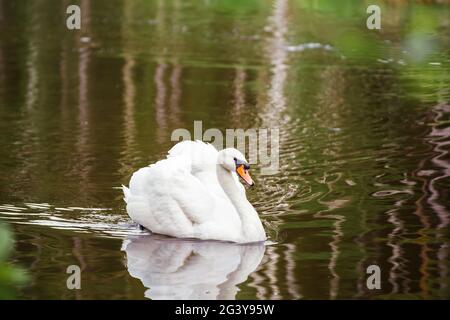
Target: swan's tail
[[126, 193]]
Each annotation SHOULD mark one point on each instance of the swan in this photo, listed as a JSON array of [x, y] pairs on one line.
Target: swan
[[195, 193]]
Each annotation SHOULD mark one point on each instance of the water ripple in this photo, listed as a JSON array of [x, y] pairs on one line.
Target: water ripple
[[104, 222]]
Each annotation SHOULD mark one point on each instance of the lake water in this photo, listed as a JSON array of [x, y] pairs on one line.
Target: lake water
[[364, 122]]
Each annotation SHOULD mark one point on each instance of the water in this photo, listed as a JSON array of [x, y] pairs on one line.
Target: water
[[364, 140]]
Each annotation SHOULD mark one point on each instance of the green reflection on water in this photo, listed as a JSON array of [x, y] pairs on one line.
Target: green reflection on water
[[10, 276]]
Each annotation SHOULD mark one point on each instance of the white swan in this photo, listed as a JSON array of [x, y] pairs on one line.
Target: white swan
[[195, 193]]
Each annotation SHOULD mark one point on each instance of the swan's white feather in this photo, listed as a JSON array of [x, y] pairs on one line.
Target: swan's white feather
[[180, 196]]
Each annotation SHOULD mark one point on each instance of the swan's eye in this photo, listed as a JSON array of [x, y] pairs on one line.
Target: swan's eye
[[241, 163]]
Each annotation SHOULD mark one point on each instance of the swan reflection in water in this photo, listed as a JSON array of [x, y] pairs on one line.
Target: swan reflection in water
[[190, 269]]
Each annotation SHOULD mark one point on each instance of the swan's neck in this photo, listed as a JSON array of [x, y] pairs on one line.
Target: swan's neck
[[252, 228]]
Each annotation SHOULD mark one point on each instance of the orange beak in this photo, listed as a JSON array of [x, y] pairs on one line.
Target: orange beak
[[243, 173]]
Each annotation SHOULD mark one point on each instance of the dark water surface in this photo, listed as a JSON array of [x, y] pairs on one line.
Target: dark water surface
[[364, 120]]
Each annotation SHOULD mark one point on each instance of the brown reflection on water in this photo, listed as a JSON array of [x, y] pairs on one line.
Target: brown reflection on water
[[129, 96], [160, 102], [83, 165], [239, 91], [331, 206], [397, 271], [167, 100], [293, 286], [438, 138], [81, 261], [277, 55], [273, 104], [331, 102]]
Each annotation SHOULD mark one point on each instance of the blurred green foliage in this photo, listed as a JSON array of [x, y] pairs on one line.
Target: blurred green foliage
[[11, 276]]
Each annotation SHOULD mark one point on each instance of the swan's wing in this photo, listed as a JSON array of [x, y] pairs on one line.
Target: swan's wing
[[200, 156], [166, 198], [188, 147]]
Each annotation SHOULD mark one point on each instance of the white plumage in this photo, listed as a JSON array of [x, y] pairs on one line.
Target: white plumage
[[194, 193]]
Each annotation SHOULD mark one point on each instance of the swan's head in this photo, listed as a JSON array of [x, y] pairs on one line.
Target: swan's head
[[233, 160]]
